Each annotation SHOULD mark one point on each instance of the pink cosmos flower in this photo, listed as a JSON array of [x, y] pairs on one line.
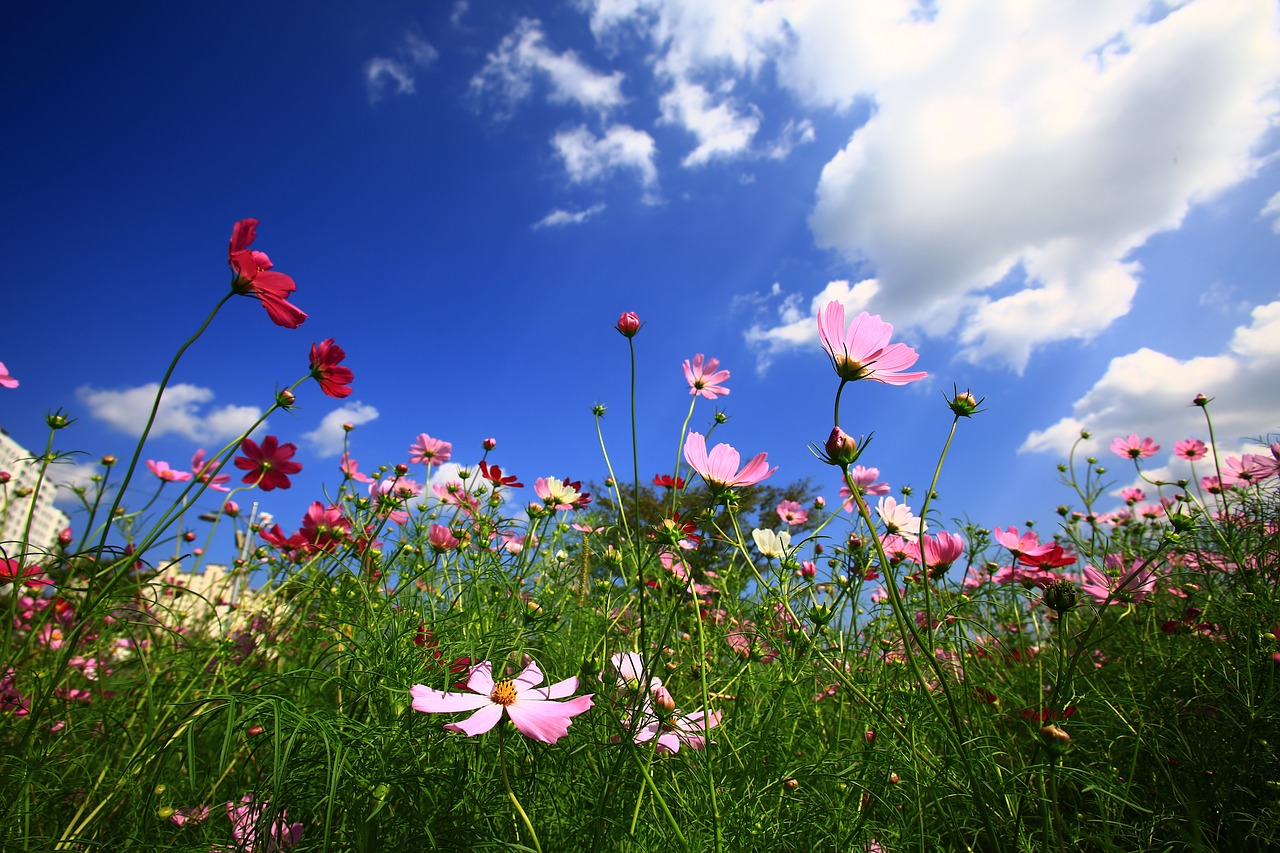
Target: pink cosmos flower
[[898, 518], [6, 381], [164, 472], [270, 465], [1250, 468], [1131, 447], [671, 728], [863, 350], [252, 277], [942, 550], [203, 472], [351, 468], [704, 379], [556, 493], [1131, 583], [719, 468], [865, 479], [192, 815], [250, 832], [429, 451], [534, 710], [334, 380], [323, 527], [1028, 543], [1132, 496], [1191, 449], [792, 513], [12, 571], [441, 538]]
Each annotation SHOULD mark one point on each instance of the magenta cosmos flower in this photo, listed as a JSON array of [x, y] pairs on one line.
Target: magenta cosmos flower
[[6, 381], [1131, 447], [534, 710], [719, 468], [863, 350], [269, 465], [429, 451], [334, 380], [164, 472], [704, 378], [253, 277], [1191, 449], [1121, 584]]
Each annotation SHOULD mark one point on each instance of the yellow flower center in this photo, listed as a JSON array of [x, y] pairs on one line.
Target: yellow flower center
[[504, 692]]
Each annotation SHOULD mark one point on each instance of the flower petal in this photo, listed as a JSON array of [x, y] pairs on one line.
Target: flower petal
[[432, 701], [479, 722]]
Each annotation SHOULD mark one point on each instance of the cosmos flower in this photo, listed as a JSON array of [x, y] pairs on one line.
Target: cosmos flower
[[863, 350], [164, 472], [719, 468], [253, 277], [1131, 447], [270, 465], [703, 377], [334, 380], [429, 451]]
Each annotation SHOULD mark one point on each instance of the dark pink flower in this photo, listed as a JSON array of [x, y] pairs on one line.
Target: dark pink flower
[[863, 350], [12, 571], [704, 378], [719, 468], [6, 381], [351, 468], [1191, 449], [252, 277], [1131, 447], [628, 324], [323, 527], [334, 380], [1120, 583], [203, 472], [535, 711], [269, 465]]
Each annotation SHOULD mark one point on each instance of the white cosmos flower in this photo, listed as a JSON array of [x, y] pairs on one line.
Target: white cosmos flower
[[899, 519], [772, 544]]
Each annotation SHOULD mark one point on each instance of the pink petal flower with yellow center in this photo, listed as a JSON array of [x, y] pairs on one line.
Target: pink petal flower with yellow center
[[1191, 449], [719, 468], [164, 472], [535, 711], [429, 451], [863, 350], [1131, 447], [703, 377]]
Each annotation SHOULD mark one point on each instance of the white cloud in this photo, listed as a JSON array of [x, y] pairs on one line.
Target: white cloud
[[1149, 393], [523, 53], [70, 476], [722, 132], [182, 412], [587, 157], [395, 75], [795, 328], [793, 133], [558, 217], [1272, 208], [327, 438]]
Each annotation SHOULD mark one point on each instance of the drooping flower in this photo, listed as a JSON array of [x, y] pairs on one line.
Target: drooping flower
[[770, 543], [269, 465], [164, 472], [253, 277], [866, 481], [535, 711], [334, 379], [494, 475], [792, 513], [719, 468], [703, 377], [6, 381], [1131, 447], [1190, 449], [863, 350], [429, 451], [203, 472], [898, 518]]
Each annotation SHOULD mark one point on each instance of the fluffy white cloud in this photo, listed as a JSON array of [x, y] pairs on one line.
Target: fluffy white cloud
[[509, 71], [327, 438], [721, 131], [1149, 393], [587, 157], [182, 412], [386, 75], [1272, 208], [795, 328], [558, 217]]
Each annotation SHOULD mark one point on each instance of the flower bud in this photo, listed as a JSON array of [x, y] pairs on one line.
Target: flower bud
[[255, 730], [490, 443], [841, 448], [1200, 400], [628, 324], [348, 427], [402, 469], [285, 399], [964, 404], [1061, 596], [57, 420], [64, 537], [231, 508], [1055, 737], [108, 461]]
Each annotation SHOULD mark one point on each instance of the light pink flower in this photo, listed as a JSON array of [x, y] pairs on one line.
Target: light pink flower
[[1251, 468], [671, 729], [898, 518], [351, 468], [533, 709], [1191, 449], [203, 472], [719, 468], [864, 479], [248, 830], [704, 378], [164, 472], [556, 493], [6, 381], [441, 538], [429, 451], [1131, 447], [1132, 495], [792, 513], [863, 350], [1128, 583]]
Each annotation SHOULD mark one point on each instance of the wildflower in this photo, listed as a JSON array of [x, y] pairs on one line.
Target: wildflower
[[1120, 584], [1131, 447], [1131, 496], [704, 379], [429, 451], [252, 834], [441, 538], [493, 474], [865, 481], [666, 481], [898, 518], [192, 815], [351, 468], [719, 468], [334, 380], [941, 551], [1028, 543], [628, 324], [772, 544], [1251, 468], [12, 571], [202, 471], [670, 728], [164, 472], [6, 381], [556, 493], [323, 527], [254, 278], [270, 465], [863, 350], [534, 710], [1191, 449], [792, 513]]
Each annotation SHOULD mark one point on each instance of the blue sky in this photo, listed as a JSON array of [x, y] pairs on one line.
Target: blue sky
[[1072, 211]]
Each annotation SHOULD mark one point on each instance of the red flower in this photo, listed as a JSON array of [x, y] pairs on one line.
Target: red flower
[[12, 571], [252, 277], [334, 380], [270, 465], [666, 481], [493, 474]]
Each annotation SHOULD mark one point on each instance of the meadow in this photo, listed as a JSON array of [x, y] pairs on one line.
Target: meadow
[[701, 658]]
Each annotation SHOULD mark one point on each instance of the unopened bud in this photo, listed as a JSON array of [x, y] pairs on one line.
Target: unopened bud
[[285, 399], [841, 447], [490, 443], [628, 324]]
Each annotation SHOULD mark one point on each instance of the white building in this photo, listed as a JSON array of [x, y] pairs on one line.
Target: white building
[[17, 498]]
